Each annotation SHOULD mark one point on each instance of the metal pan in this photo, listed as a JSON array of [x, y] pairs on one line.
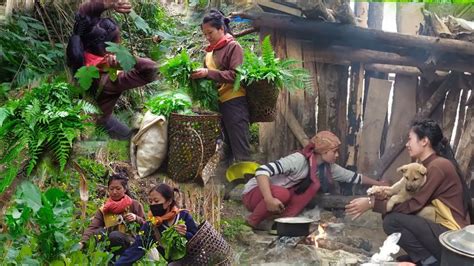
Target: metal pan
[[293, 226]]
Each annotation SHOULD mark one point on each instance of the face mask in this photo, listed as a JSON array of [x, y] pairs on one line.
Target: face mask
[[157, 209]]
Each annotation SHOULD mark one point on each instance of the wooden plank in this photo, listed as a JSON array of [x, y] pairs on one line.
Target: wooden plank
[[296, 98], [338, 53], [395, 149], [279, 7], [465, 151], [371, 132], [310, 106], [403, 108], [355, 111], [295, 127], [450, 111], [462, 117], [317, 30], [361, 11]]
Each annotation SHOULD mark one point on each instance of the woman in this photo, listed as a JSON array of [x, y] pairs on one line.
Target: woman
[[87, 47], [285, 186], [223, 56], [445, 189], [163, 214], [113, 217]]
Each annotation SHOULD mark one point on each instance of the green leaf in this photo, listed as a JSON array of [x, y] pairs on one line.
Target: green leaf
[[30, 195], [140, 22], [126, 59], [3, 115], [85, 75]]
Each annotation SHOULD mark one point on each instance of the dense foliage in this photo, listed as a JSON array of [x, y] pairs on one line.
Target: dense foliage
[[45, 118], [282, 73], [25, 55]]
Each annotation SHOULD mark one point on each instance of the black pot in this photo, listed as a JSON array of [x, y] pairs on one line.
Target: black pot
[[451, 257], [293, 226]]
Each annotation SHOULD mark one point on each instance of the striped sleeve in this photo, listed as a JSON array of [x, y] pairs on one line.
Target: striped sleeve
[[288, 165], [342, 174]]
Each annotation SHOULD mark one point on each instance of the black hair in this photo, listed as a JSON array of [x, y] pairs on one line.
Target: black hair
[[90, 34], [217, 20], [432, 131], [167, 192], [123, 179]]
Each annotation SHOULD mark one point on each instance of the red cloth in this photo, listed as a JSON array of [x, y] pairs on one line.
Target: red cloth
[[158, 220], [221, 43], [294, 203], [117, 207], [94, 60], [308, 152]]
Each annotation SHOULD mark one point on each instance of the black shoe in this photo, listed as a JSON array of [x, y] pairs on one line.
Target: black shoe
[[116, 129]]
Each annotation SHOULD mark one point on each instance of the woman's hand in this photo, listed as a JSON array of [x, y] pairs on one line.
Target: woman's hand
[[200, 73], [358, 206], [130, 217], [181, 229], [275, 205], [112, 61]]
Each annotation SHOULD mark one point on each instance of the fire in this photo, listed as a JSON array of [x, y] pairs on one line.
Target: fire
[[321, 234]]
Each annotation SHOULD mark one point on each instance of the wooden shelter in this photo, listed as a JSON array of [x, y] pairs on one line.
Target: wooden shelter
[[433, 78]]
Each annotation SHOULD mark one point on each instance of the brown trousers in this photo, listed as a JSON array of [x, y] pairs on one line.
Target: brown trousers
[[144, 72]]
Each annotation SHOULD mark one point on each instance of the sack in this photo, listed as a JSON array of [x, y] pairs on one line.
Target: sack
[[151, 144]]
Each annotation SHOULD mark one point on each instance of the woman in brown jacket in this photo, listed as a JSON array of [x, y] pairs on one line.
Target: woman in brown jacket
[[87, 47], [223, 56], [116, 215], [445, 189]]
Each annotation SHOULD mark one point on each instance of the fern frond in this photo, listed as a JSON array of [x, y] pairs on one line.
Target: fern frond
[[268, 54], [8, 176]]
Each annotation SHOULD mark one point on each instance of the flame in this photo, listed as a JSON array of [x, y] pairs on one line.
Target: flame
[[321, 235]]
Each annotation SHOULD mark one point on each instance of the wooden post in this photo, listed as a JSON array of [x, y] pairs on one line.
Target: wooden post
[[355, 112], [361, 10], [395, 149]]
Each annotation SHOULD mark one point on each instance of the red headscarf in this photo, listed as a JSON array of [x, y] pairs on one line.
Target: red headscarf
[[227, 38], [117, 207]]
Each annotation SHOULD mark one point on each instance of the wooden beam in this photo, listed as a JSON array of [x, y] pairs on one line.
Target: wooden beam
[[396, 148], [345, 54], [295, 126], [317, 29]]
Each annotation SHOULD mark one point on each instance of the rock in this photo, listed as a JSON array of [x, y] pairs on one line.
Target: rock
[[369, 219]]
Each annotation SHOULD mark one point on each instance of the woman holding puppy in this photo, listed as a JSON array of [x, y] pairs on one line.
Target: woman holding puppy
[[445, 189]]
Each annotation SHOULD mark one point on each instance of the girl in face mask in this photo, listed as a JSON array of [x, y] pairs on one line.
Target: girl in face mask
[[163, 213]]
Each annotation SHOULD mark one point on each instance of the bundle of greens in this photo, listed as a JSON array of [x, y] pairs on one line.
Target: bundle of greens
[[280, 73], [169, 102], [173, 243], [177, 71]]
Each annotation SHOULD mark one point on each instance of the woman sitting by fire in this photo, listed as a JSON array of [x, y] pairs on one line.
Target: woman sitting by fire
[[284, 187]]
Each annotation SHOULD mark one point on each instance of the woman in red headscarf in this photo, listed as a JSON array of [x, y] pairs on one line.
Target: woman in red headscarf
[[285, 186], [223, 56]]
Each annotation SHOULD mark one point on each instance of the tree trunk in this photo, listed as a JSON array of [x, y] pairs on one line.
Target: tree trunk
[[361, 10], [375, 16]]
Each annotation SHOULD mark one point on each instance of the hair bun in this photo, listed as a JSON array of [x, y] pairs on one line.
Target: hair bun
[[444, 141], [176, 190], [226, 20]]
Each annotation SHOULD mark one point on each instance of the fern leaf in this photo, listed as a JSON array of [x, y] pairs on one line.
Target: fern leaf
[[268, 54], [8, 176]]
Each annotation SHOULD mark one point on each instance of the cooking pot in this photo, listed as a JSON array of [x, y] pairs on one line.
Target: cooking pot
[[458, 247], [293, 226]]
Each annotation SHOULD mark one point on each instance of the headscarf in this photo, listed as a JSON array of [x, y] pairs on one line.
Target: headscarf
[[325, 141]]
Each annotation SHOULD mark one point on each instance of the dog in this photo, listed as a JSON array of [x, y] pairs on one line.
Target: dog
[[413, 179]]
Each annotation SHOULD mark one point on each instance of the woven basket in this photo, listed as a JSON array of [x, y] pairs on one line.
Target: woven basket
[[207, 247], [262, 98], [192, 141]]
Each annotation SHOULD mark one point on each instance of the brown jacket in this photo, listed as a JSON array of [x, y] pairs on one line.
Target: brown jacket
[[98, 221], [443, 183], [227, 59]]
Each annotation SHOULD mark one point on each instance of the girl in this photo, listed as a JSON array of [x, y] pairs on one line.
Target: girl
[[223, 56], [163, 214], [445, 189], [112, 217], [87, 47], [286, 186]]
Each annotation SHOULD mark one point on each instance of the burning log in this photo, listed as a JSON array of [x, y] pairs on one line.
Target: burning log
[[331, 244]]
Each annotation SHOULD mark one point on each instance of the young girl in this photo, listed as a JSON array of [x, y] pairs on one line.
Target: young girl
[[445, 189], [87, 47], [112, 217], [163, 214], [285, 186], [223, 56]]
